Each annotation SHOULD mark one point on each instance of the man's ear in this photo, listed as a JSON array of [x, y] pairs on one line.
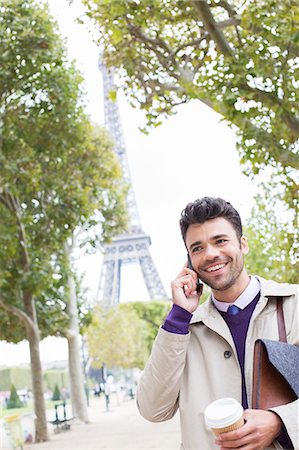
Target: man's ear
[[244, 245]]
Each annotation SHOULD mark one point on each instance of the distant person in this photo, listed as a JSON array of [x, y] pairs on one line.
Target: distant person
[[203, 353], [97, 390], [107, 391], [107, 396]]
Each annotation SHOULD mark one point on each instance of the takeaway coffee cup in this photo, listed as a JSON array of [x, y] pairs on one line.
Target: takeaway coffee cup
[[223, 415]]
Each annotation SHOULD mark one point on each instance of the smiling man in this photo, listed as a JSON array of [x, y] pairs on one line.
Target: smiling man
[[205, 352]]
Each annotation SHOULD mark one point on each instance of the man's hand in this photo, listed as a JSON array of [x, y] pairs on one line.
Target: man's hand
[[259, 431], [184, 289]]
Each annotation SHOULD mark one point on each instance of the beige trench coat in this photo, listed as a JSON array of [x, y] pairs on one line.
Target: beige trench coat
[[187, 372]]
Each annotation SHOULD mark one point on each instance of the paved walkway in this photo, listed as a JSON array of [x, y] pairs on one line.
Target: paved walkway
[[120, 428]]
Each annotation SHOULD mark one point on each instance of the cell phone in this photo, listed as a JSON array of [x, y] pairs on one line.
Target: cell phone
[[199, 285]]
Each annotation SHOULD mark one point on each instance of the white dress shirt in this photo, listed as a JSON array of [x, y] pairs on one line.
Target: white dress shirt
[[243, 300]]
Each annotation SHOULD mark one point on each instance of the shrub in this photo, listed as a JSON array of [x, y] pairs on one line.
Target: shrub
[[14, 400], [56, 394]]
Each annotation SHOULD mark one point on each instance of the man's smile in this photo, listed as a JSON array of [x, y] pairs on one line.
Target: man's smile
[[215, 267]]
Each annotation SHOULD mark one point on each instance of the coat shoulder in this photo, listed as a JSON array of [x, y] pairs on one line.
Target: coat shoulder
[[270, 288]]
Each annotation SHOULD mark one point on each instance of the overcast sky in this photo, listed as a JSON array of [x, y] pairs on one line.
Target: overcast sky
[[191, 155]]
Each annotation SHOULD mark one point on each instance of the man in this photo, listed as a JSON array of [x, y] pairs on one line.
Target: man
[[203, 353]]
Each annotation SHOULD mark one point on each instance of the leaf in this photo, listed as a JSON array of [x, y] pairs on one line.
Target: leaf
[[112, 95]]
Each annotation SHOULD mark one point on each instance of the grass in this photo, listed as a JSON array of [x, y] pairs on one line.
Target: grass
[[25, 409]]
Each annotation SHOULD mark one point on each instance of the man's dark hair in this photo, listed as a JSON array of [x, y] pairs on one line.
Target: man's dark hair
[[208, 208]]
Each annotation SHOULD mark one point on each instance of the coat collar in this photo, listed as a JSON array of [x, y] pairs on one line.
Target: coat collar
[[206, 312]]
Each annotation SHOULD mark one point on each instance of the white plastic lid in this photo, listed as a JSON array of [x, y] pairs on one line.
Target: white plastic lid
[[223, 413]]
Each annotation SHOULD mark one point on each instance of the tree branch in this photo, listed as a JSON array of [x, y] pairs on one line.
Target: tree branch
[[212, 27], [228, 23], [151, 43], [22, 233], [267, 98], [18, 313], [5, 199], [164, 87], [231, 11]]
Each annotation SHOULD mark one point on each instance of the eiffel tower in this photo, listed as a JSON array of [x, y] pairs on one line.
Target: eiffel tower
[[133, 245]]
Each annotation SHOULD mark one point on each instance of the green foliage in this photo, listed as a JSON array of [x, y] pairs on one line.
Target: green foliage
[[172, 51], [151, 314], [5, 381], [55, 377], [28, 408], [12, 329], [58, 172], [273, 250], [14, 400], [123, 336], [56, 393], [20, 377], [117, 338]]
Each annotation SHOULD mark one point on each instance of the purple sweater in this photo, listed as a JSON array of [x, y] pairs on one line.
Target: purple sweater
[[178, 320]]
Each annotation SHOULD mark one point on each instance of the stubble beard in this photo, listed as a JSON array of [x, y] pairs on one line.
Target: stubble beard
[[230, 280]]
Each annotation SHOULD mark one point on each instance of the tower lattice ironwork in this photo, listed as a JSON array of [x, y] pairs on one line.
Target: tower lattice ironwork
[[133, 245]]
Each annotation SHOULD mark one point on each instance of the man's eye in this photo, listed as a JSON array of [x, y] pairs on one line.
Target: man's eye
[[196, 249], [221, 241]]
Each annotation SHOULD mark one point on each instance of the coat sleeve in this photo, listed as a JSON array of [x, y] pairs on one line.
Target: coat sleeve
[[159, 385], [289, 415]]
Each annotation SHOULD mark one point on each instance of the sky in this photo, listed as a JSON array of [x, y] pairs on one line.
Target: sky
[[193, 154]]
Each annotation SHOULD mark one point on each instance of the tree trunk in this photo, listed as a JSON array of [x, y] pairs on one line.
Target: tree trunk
[[28, 315], [78, 395], [41, 428]]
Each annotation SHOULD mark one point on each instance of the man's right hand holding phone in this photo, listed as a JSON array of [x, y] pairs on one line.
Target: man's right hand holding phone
[[184, 289]]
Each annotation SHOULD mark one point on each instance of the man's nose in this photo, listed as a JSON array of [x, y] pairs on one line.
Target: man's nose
[[211, 251]]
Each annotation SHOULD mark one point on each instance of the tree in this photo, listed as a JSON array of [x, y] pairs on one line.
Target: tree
[[116, 337], [123, 336], [151, 314], [57, 174], [239, 58], [104, 201]]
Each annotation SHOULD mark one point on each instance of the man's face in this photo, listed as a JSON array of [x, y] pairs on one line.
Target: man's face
[[217, 253]]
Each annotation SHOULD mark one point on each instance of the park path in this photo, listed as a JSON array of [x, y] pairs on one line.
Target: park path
[[118, 429]]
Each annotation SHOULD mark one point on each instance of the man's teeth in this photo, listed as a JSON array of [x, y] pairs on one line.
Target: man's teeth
[[212, 269]]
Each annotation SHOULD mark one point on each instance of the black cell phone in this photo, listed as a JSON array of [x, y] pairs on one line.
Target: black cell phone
[[199, 285]]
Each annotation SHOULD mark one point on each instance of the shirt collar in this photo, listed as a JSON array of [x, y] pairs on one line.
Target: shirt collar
[[243, 300]]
